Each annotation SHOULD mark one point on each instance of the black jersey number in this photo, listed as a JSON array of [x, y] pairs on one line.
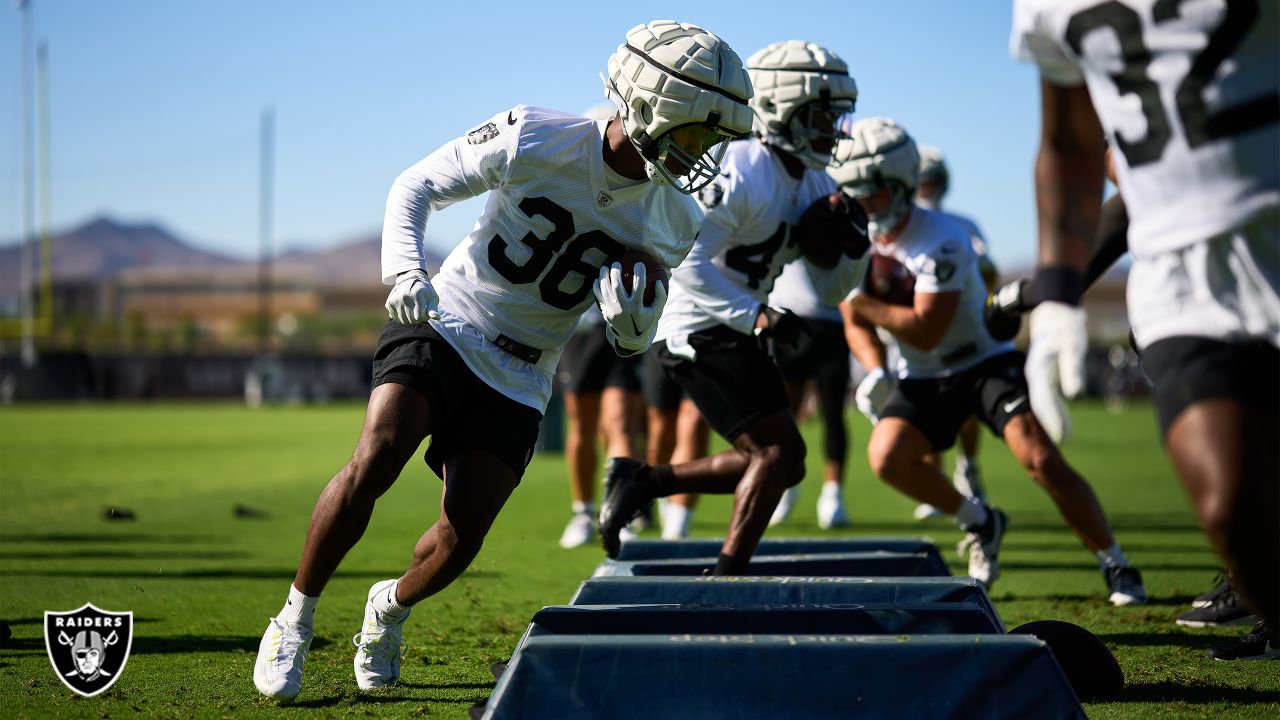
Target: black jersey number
[[1201, 125], [548, 251], [755, 261]]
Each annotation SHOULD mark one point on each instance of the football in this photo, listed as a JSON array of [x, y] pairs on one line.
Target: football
[[890, 281], [654, 270], [1089, 666], [828, 228]]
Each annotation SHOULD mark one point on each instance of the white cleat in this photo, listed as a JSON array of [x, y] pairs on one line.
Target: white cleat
[[925, 511], [785, 505], [831, 508], [983, 546], [379, 645], [675, 521], [580, 531], [283, 651]]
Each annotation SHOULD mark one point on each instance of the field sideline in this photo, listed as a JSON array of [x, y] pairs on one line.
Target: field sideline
[[202, 582]]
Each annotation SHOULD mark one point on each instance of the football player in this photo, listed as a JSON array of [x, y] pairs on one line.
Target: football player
[[1188, 99], [710, 340], [822, 357], [935, 181], [601, 394], [468, 355], [950, 367]]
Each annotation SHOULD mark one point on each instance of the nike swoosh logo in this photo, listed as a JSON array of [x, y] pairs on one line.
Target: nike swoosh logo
[[511, 119], [1013, 405]]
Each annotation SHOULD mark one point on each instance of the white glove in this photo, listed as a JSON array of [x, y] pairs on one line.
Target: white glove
[[413, 300], [629, 323], [1055, 364], [872, 393]]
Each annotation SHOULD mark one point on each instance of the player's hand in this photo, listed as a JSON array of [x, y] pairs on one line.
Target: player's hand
[[1055, 363], [413, 300], [631, 323], [872, 394], [783, 326], [1004, 310]]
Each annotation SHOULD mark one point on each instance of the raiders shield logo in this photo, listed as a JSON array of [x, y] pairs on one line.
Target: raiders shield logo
[[483, 134], [604, 199], [88, 647]]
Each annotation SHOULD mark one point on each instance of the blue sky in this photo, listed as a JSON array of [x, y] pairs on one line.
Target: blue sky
[[156, 105]]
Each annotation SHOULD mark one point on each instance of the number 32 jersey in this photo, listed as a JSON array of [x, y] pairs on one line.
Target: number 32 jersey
[[555, 213], [745, 242], [1189, 93]]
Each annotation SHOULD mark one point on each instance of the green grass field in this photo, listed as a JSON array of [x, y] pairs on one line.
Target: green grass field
[[202, 583]]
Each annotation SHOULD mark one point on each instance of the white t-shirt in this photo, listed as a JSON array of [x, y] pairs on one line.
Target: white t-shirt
[[1188, 94], [938, 251], [745, 242], [550, 222]]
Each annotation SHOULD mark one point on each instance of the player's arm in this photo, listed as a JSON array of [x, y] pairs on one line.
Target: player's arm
[[1069, 179], [862, 339], [923, 325]]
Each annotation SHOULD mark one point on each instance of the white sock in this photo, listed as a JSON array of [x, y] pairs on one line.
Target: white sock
[[1112, 557], [385, 603], [299, 608], [972, 514], [584, 506], [963, 463], [675, 521], [832, 489]]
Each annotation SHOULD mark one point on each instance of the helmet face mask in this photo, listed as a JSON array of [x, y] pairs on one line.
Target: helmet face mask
[[668, 78], [878, 154], [801, 90]]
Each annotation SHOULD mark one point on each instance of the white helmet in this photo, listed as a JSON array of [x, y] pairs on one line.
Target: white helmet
[[668, 75], [794, 80], [933, 168], [878, 153]]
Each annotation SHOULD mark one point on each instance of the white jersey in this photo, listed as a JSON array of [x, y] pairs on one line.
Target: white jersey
[[794, 291], [551, 221], [744, 243], [938, 251], [1191, 102]]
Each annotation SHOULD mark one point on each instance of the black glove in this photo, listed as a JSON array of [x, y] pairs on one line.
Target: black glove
[[785, 327], [1004, 310]]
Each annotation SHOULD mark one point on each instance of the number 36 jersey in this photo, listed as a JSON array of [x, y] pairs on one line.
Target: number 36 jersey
[[1188, 91], [554, 215], [745, 242]]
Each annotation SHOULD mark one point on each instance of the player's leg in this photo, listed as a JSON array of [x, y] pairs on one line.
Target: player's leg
[[832, 384], [583, 416], [1223, 444], [397, 418], [966, 477], [737, 388], [797, 364], [583, 368], [797, 396], [480, 454], [1004, 404], [919, 419], [693, 440]]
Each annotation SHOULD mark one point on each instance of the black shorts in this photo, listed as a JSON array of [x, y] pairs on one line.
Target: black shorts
[[466, 413], [660, 392], [995, 390], [1187, 370], [733, 381], [589, 364], [823, 352]]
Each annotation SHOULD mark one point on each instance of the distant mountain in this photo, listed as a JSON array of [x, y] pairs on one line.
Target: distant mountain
[[102, 248]]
